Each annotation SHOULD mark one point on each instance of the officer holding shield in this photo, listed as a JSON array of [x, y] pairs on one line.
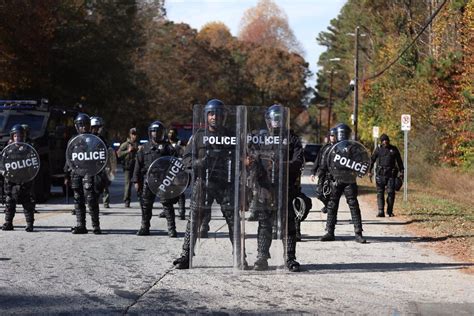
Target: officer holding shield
[[323, 176], [389, 165], [156, 147], [17, 192], [83, 185], [209, 162], [343, 182], [265, 214]]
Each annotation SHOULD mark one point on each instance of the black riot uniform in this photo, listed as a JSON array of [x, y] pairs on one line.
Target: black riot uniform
[[324, 177], [389, 165], [18, 193], [350, 191], [101, 180], [210, 179], [84, 188], [266, 215], [155, 148], [176, 143]]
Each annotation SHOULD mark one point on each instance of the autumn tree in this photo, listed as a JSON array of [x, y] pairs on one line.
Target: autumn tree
[[267, 25], [217, 34]]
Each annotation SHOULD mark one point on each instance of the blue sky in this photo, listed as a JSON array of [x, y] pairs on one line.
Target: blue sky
[[306, 17]]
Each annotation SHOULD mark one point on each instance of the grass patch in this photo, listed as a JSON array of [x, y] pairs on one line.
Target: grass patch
[[439, 215]]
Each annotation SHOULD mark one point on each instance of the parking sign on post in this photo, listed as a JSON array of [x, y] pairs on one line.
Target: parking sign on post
[[406, 122], [406, 126]]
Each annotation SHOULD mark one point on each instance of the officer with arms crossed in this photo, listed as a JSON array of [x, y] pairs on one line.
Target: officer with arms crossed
[[155, 148], [128, 152], [389, 165]]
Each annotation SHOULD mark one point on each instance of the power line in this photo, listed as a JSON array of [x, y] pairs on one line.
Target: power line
[[378, 74]]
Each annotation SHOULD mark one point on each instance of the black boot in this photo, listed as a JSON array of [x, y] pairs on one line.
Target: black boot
[[261, 264], [359, 238], [7, 226], [143, 231], [293, 265], [328, 237], [182, 262], [381, 214], [79, 230], [97, 230], [29, 227]]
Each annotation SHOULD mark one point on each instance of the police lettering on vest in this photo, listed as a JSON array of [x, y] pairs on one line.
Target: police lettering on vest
[[171, 174], [25, 163], [95, 155], [263, 140], [348, 163]]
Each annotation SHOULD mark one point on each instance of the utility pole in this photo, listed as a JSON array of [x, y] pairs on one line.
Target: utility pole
[[330, 97], [356, 83]]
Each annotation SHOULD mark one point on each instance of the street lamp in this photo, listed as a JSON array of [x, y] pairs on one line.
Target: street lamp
[[356, 80], [332, 72]]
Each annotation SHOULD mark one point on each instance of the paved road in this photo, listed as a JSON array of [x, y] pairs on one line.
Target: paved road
[[52, 271]]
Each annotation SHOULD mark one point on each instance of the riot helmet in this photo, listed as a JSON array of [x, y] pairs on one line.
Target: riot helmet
[[26, 128], [97, 123], [214, 113], [82, 122], [17, 133], [156, 132], [273, 117], [343, 132], [332, 135]]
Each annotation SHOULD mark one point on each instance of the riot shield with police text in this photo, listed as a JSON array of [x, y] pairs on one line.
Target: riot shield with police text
[[167, 177], [86, 154], [19, 163], [347, 160], [215, 171], [264, 183]]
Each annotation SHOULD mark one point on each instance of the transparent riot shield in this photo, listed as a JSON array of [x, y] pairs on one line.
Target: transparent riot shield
[[264, 186], [111, 166], [215, 172], [86, 154], [167, 177], [19, 163], [348, 160]]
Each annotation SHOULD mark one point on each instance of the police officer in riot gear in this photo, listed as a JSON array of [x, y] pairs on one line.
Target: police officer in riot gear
[[102, 182], [323, 176], [83, 187], [339, 187], [18, 193], [176, 143], [266, 216], [210, 179], [389, 165], [155, 148]]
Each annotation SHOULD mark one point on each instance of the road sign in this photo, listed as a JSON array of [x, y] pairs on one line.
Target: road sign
[[375, 132], [406, 122]]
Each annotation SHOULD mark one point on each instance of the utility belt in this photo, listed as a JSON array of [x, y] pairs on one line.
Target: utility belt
[[391, 172]]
